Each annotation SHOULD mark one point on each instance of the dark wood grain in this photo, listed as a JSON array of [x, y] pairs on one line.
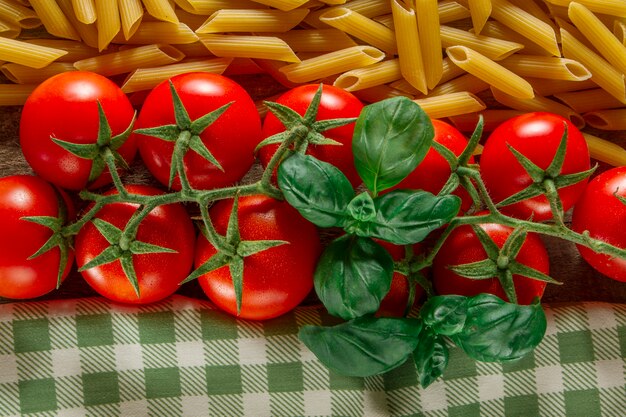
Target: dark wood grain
[[580, 282]]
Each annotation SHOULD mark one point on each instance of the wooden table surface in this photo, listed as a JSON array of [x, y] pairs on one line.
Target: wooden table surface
[[580, 282]]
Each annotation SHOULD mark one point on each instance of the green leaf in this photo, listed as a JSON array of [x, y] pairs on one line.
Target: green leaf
[[318, 190], [499, 331], [535, 172], [570, 179], [128, 267], [485, 269], [273, 140], [235, 267], [200, 124], [352, 276], [518, 268], [284, 114], [180, 112], [327, 124], [110, 232], [445, 314], [362, 208], [391, 137], [214, 262], [250, 247], [196, 144], [81, 150], [166, 132], [406, 216], [138, 247], [108, 255], [365, 346], [555, 167], [431, 357]]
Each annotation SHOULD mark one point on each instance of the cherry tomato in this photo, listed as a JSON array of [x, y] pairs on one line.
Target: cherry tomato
[[433, 172], [275, 280], [537, 136], [335, 103], [65, 107], [158, 274], [603, 214], [20, 277], [463, 247], [231, 139]]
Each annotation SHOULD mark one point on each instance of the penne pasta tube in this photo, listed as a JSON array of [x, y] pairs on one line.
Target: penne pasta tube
[[252, 20], [452, 11], [480, 10], [28, 54], [131, 13], [386, 20], [54, 20], [493, 48], [15, 94], [242, 46], [619, 30], [599, 35], [611, 119], [588, 100], [490, 72], [605, 151], [381, 73], [430, 40], [553, 68], [492, 118], [19, 15], [378, 93], [194, 50], [272, 67], [284, 5], [498, 30], [9, 30], [85, 11], [368, 8], [161, 10], [88, 33], [130, 59], [108, 22], [546, 87], [603, 74], [361, 27], [21, 74], [332, 63], [148, 78], [526, 25], [538, 103], [408, 43], [160, 32], [452, 104], [608, 7], [315, 40], [206, 7], [466, 82]]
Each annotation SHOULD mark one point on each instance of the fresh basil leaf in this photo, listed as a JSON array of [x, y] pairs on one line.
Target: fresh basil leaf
[[352, 276], [391, 137], [499, 331], [431, 357], [445, 314], [405, 217], [362, 208], [364, 346], [317, 189]]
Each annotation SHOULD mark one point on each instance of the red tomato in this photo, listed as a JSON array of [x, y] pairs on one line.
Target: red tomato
[[395, 302], [20, 277], [231, 139], [537, 136], [601, 213], [275, 280], [64, 107], [335, 103], [463, 247], [158, 274], [433, 172]]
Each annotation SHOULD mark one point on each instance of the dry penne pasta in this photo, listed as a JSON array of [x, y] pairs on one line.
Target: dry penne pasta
[[54, 20], [619, 30], [85, 10], [161, 10], [603, 74], [31, 55], [368, 8], [611, 119], [451, 11], [265, 47], [15, 94], [378, 93], [128, 60], [409, 49], [332, 63], [466, 82], [88, 33], [599, 35], [284, 5], [587, 100], [108, 22], [361, 27], [272, 67], [9, 30], [538, 103], [554, 68], [315, 40], [430, 40], [452, 104], [547, 87], [498, 30], [194, 50], [534, 9], [381, 73], [526, 25], [608, 7], [490, 72], [493, 48], [206, 7], [21, 74], [147, 78], [480, 10], [131, 14], [19, 15], [160, 32], [492, 118], [605, 151], [252, 20]]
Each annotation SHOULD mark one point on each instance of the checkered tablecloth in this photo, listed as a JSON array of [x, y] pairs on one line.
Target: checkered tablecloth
[[183, 357]]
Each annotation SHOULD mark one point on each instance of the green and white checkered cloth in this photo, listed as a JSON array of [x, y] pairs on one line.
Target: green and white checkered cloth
[[184, 357]]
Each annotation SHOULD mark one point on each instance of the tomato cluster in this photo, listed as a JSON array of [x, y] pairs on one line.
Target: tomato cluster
[[75, 123]]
